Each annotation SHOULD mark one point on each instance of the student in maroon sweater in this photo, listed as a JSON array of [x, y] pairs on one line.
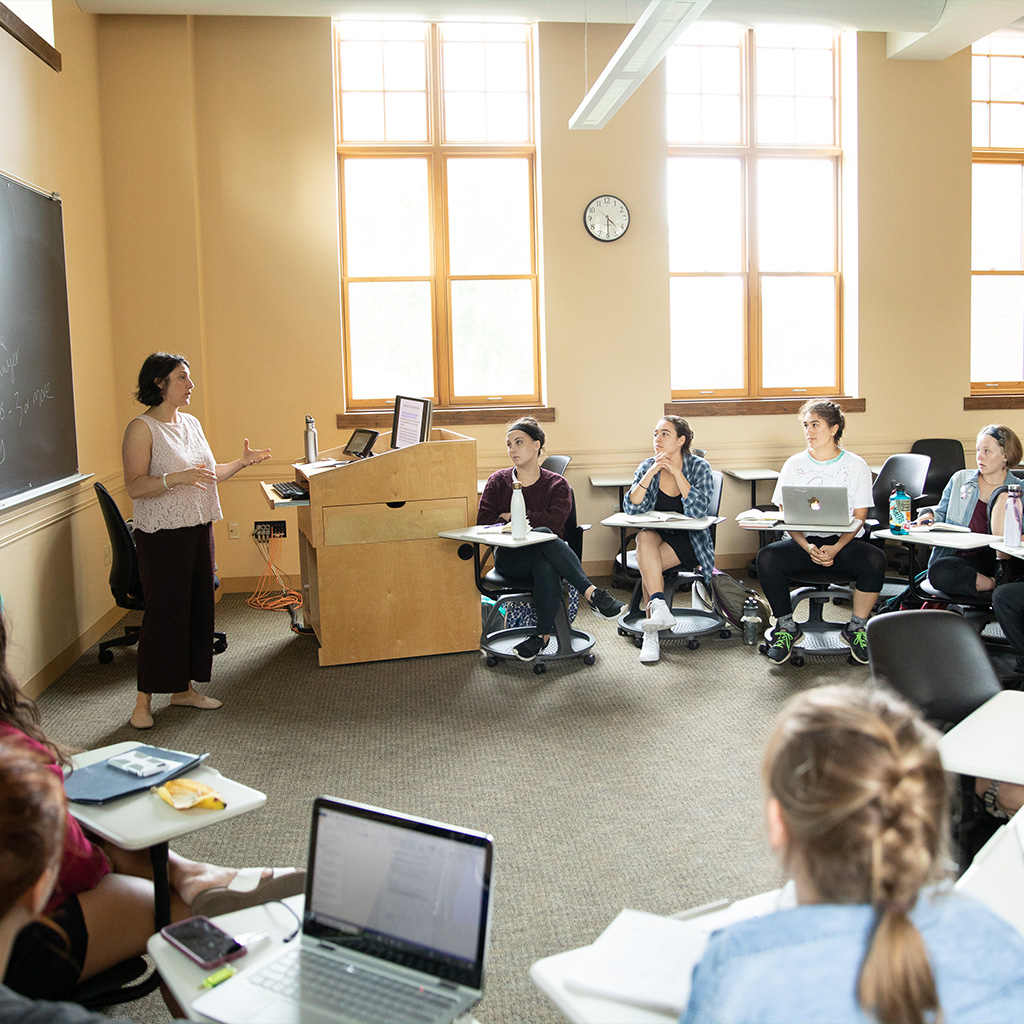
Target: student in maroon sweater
[[548, 502]]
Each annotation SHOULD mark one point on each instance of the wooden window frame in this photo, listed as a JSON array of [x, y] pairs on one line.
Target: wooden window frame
[[448, 409], [749, 152], [28, 36]]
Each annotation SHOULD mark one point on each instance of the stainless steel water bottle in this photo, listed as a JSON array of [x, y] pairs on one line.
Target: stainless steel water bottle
[[309, 440]]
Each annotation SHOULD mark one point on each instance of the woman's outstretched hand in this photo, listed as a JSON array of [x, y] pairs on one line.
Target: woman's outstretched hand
[[250, 456]]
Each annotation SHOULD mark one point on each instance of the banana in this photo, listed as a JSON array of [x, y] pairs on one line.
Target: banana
[[182, 794]]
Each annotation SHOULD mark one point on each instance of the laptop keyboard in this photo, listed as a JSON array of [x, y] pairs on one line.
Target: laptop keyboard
[[352, 991]]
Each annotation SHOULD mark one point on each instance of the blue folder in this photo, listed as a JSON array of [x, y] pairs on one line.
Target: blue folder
[[100, 783]]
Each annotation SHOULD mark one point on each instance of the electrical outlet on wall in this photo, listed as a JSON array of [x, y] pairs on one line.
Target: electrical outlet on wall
[[233, 531]]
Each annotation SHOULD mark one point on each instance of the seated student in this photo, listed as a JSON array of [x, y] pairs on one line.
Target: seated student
[[548, 503], [823, 464], [964, 502], [101, 908], [673, 480], [33, 820], [857, 813]]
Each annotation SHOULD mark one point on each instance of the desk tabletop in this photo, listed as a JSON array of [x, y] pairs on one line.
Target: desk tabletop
[[940, 539], [614, 480], [750, 475], [815, 529], [987, 743], [620, 519], [184, 977], [1017, 552], [482, 535], [143, 819]]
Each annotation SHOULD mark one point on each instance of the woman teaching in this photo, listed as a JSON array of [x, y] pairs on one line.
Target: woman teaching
[[823, 464], [672, 480], [858, 816], [548, 503], [964, 502], [171, 476]]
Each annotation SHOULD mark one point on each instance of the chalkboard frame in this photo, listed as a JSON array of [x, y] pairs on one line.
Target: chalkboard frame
[[35, 348]]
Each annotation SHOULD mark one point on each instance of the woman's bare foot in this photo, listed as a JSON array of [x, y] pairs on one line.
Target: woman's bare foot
[[192, 698], [142, 716], [200, 877]]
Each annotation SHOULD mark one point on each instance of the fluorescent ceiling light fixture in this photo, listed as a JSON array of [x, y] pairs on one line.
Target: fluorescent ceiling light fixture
[[640, 53]]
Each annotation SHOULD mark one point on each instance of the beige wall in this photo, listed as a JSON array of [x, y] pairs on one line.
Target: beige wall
[[197, 164]]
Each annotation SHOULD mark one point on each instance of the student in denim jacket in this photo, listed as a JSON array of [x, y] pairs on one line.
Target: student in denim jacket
[[858, 814]]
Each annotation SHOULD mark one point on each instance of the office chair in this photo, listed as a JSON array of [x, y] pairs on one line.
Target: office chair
[[911, 470], [556, 464], [676, 579], [947, 455], [498, 640], [937, 661], [125, 584]]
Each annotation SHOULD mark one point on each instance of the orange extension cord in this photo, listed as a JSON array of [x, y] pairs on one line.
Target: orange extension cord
[[273, 591]]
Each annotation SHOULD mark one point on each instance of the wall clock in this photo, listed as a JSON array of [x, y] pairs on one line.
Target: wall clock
[[606, 218]]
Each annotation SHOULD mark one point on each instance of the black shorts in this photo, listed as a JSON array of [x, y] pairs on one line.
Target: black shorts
[[46, 962], [679, 541]]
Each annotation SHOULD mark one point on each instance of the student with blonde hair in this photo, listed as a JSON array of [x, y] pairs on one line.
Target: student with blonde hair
[[857, 813]]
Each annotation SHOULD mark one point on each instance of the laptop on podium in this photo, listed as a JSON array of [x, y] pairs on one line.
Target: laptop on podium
[[396, 926]]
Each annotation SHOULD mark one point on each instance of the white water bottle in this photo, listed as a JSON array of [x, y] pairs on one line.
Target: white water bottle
[[309, 440], [1012, 517], [519, 525]]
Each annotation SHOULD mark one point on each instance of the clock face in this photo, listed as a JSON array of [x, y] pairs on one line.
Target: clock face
[[606, 218]]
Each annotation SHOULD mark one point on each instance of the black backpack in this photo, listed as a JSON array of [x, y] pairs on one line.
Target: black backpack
[[727, 598]]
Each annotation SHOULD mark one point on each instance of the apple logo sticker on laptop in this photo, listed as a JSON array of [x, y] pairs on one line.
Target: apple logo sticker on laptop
[[815, 504]]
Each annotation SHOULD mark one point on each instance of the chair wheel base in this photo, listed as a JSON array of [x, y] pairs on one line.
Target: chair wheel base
[[539, 668], [105, 657], [589, 659]]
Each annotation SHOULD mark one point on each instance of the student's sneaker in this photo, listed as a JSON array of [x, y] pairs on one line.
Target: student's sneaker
[[529, 648], [602, 603], [660, 616], [857, 641], [781, 644], [650, 652]]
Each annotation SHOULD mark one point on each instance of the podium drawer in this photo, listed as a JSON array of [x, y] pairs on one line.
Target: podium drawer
[[379, 522]]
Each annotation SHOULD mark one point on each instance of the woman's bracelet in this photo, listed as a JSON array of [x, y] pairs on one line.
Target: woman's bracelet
[[164, 478]]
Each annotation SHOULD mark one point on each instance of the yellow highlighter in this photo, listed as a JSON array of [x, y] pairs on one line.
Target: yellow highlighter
[[218, 976]]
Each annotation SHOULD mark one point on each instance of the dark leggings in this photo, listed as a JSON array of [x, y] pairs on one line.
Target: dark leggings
[[777, 562], [957, 576], [1008, 602], [547, 565]]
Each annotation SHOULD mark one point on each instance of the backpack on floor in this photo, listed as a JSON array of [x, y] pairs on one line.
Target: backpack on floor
[[727, 597]]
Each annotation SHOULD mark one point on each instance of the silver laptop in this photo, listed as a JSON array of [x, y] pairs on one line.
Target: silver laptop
[[825, 508], [396, 925]]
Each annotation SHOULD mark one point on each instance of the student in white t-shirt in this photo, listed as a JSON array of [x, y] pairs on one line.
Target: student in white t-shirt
[[823, 464]]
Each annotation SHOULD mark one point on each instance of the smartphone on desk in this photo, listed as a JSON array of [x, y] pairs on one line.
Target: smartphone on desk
[[201, 940]]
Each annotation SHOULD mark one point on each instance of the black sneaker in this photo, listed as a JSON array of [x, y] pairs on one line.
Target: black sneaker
[[782, 642], [602, 603], [529, 648], [857, 641]]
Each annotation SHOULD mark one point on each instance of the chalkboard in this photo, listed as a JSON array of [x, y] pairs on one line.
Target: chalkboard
[[38, 446]]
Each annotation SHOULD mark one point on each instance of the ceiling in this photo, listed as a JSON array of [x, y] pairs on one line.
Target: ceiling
[[918, 29]]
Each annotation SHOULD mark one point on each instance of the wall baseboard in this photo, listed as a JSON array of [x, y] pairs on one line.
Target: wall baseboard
[[53, 670]]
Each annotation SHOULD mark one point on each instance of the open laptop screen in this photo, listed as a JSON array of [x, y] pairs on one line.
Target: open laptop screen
[[401, 889]]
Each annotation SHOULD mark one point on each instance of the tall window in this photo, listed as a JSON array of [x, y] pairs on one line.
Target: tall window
[[439, 251], [997, 221], [753, 191]]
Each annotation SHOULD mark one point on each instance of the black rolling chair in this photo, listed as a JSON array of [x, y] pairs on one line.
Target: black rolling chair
[[947, 455], [937, 661], [124, 576], [911, 470], [556, 463]]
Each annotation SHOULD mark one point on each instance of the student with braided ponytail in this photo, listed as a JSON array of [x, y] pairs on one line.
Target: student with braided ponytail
[[858, 814]]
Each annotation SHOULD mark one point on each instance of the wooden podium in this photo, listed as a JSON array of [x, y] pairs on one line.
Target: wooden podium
[[377, 581]]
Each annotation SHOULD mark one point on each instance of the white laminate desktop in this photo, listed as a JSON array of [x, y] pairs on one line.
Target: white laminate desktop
[[987, 743]]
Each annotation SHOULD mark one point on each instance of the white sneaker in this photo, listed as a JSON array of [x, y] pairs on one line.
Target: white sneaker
[[651, 650], [660, 617]]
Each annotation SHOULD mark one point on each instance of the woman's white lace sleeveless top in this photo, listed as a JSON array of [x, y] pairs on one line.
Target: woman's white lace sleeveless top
[[178, 446]]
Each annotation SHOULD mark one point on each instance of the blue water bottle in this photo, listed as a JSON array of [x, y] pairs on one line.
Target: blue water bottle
[[899, 510]]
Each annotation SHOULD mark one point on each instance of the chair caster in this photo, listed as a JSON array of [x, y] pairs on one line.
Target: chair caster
[[637, 642], [622, 632], [540, 669], [491, 661], [220, 646], [106, 657], [725, 633], [693, 644], [762, 648], [797, 660], [589, 659]]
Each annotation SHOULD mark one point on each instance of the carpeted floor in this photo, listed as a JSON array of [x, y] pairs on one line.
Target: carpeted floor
[[606, 786]]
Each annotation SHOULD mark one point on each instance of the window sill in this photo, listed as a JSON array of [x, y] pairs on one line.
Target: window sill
[[381, 419], [754, 406], [993, 401]]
